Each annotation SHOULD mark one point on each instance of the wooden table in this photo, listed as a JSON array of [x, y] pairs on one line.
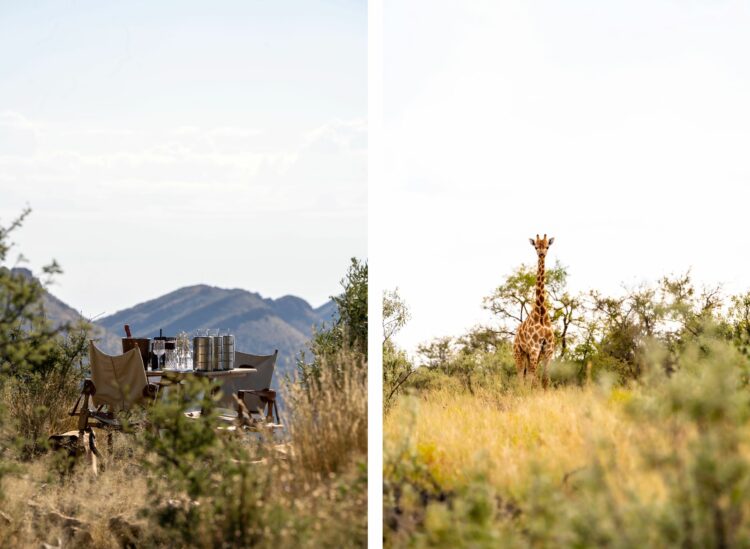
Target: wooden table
[[175, 377], [182, 374]]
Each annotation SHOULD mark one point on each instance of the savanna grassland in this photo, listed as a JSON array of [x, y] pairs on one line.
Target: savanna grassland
[[641, 440], [170, 480]]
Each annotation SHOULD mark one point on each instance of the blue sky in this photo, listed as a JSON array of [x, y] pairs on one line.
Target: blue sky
[[162, 144], [619, 127]]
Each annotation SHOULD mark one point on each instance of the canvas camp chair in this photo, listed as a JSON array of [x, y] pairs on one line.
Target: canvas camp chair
[[118, 384], [251, 394]]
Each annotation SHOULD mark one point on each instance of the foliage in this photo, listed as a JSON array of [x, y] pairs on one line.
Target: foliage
[[349, 330], [512, 301], [661, 464], [39, 400], [218, 488], [397, 368], [26, 338], [33, 361], [597, 334], [174, 480]]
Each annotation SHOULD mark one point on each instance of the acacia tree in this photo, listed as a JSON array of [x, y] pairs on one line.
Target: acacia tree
[[26, 338], [348, 331], [397, 367], [437, 354], [512, 302], [739, 321]]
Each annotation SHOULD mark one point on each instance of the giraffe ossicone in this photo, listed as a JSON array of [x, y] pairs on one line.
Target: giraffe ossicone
[[534, 343]]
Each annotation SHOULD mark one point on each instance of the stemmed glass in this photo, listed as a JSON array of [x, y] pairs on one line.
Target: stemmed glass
[[183, 351], [158, 349]]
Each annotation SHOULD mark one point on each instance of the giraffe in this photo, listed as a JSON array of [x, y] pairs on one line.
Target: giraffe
[[535, 339]]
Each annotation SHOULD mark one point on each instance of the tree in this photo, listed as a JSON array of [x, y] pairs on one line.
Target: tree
[[30, 350], [352, 307], [512, 302], [348, 333], [396, 365], [395, 314], [437, 353], [26, 338], [739, 321]]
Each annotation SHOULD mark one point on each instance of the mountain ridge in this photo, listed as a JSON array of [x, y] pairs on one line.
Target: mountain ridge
[[260, 325]]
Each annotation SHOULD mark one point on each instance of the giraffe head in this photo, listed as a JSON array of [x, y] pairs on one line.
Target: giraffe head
[[541, 245]]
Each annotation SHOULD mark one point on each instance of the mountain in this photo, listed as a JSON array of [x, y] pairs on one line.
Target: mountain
[[58, 313], [260, 325], [328, 311]]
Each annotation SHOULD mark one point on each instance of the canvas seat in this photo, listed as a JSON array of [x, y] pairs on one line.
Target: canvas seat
[[118, 384], [253, 390]]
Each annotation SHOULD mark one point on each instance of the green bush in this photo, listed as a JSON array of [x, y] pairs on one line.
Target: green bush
[[39, 399], [214, 487]]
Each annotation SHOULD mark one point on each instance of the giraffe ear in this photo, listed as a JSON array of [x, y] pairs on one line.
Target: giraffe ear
[[532, 242], [551, 240]]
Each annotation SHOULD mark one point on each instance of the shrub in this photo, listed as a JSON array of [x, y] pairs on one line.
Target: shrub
[[220, 489], [39, 399]]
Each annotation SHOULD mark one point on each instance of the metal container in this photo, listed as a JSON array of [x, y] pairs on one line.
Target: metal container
[[226, 353], [143, 343], [203, 347], [216, 353]]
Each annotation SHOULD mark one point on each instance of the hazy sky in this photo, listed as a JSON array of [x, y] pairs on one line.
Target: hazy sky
[[162, 144], [621, 128]]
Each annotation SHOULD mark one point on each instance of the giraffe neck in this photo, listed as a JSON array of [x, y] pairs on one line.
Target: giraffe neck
[[540, 304]]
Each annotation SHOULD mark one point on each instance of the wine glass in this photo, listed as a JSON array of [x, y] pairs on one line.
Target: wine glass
[[183, 351], [158, 349]]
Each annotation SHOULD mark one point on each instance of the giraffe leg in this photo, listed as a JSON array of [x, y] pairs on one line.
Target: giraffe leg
[[533, 363], [546, 356], [520, 359]]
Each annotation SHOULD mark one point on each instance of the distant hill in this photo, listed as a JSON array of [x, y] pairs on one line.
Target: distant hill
[[260, 325], [58, 313]]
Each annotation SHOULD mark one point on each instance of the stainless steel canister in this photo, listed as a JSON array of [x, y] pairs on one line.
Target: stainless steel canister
[[216, 353], [202, 351], [226, 355]]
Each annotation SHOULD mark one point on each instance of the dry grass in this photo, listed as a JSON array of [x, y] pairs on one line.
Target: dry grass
[[38, 491], [509, 436], [308, 491], [333, 426]]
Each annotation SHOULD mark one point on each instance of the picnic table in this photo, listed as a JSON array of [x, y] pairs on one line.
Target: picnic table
[[175, 377], [182, 374]]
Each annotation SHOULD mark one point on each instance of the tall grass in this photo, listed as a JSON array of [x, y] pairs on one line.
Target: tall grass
[[193, 485], [38, 401], [328, 418], [659, 463]]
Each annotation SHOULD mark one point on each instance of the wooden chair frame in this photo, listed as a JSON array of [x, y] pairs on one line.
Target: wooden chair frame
[[99, 418]]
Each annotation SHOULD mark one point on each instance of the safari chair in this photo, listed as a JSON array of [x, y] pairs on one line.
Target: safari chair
[[251, 394], [118, 384]]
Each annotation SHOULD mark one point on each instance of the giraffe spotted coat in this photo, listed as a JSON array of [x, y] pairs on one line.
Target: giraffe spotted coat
[[534, 344]]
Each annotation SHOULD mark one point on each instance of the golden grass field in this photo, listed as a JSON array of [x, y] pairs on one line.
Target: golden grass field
[[587, 466], [509, 436]]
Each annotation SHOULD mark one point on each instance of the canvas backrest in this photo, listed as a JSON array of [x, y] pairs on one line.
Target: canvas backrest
[[261, 379], [119, 380]]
